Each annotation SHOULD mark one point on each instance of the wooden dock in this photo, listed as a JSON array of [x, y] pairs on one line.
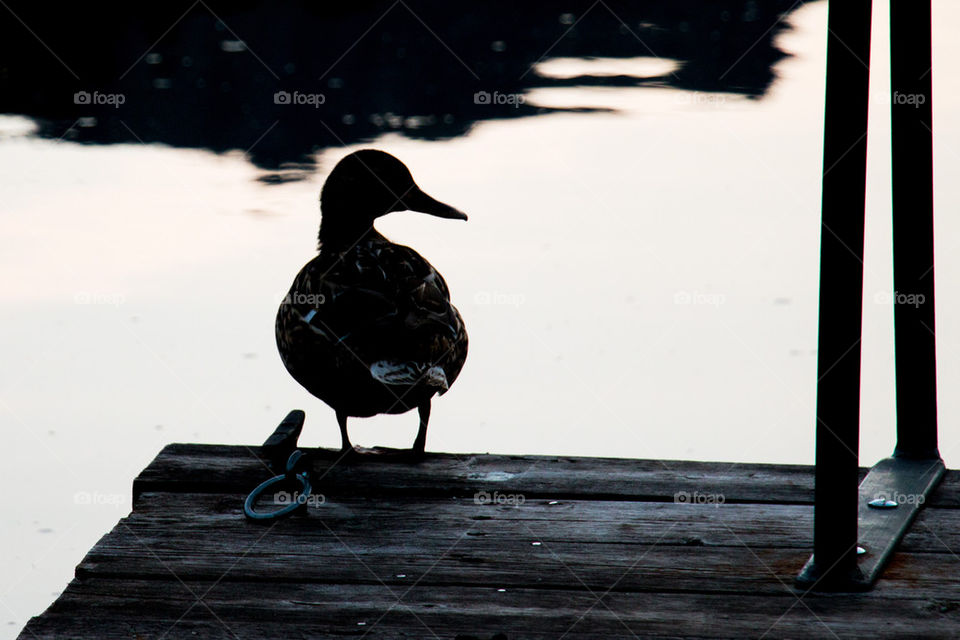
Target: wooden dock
[[489, 546]]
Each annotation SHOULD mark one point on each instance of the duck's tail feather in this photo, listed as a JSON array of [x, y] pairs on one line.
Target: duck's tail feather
[[409, 373]]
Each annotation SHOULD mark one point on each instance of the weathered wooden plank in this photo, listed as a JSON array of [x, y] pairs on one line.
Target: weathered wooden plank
[[769, 526], [464, 560], [586, 521], [499, 552], [237, 469], [126, 609]]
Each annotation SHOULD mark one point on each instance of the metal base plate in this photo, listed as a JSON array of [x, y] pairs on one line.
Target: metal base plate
[[898, 487]]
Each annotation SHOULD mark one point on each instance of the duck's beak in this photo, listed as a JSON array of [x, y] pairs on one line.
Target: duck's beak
[[417, 200]]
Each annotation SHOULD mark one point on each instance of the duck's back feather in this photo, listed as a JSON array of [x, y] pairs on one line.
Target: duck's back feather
[[378, 305]]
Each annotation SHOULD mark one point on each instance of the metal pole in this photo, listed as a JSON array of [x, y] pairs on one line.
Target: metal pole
[[912, 146], [834, 559]]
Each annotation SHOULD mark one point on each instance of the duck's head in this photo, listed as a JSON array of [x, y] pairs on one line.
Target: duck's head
[[368, 184]]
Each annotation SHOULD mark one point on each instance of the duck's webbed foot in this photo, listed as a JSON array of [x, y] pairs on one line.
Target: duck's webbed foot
[[389, 454]]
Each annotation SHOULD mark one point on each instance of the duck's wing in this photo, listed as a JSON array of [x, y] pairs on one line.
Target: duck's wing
[[422, 296], [338, 304], [434, 332], [383, 304]]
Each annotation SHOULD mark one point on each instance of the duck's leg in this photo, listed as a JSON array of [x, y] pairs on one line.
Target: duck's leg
[[386, 453], [420, 444], [345, 445]]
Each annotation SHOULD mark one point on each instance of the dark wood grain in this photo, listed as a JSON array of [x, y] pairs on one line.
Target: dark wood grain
[[112, 609], [236, 469], [596, 548], [567, 520]]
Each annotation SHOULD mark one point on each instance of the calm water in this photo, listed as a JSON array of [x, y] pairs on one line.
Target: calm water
[[637, 281]]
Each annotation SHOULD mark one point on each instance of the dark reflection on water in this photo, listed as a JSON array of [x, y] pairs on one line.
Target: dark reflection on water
[[208, 75]]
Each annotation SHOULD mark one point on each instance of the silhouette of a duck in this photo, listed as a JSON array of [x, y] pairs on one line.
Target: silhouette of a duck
[[367, 326]]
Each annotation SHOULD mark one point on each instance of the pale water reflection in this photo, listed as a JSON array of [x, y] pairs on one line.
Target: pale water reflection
[[640, 282]]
